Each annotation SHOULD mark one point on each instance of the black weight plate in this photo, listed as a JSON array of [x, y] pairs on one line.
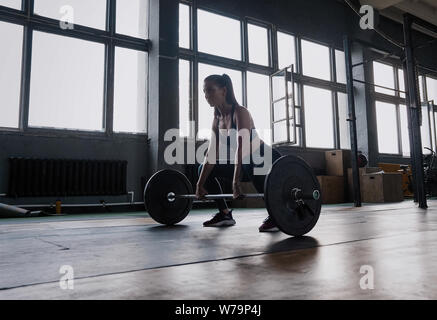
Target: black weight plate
[[155, 197], [287, 173]]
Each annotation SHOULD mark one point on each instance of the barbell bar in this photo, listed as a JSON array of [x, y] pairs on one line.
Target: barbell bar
[[294, 194]]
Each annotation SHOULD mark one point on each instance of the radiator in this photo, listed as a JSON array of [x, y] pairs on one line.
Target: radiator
[[62, 177]]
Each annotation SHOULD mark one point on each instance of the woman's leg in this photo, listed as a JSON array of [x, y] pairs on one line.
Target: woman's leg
[[258, 180], [212, 185]]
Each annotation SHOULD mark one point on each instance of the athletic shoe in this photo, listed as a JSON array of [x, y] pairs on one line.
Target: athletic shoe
[[268, 226], [220, 220]]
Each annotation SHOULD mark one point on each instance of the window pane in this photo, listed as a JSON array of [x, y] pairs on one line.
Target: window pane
[[258, 45], [421, 89], [219, 35], [431, 86], [10, 74], [404, 131], [286, 50], [15, 4], [132, 17], [83, 12], [280, 131], [341, 66], [279, 111], [184, 97], [319, 128], [66, 89], [184, 26], [315, 59], [424, 130], [383, 76], [130, 91], [206, 112], [278, 87], [387, 128], [401, 82], [343, 115], [258, 104]]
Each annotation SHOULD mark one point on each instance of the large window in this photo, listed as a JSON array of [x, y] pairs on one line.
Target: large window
[[132, 17], [220, 38], [10, 74], [219, 35], [319, 128], [83, 12], [130, 87], [206, 112], [258, 45], [66, 90], [94, 81], [15, 4], [315, 60], [286, 50], [387, 128]]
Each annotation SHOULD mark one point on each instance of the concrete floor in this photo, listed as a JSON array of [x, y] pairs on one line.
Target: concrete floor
[[128, 256]]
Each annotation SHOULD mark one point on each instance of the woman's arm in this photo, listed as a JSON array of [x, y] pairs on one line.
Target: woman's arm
[[243, 122]]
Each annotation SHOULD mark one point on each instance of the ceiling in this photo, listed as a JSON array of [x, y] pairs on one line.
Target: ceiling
[[394, 9]]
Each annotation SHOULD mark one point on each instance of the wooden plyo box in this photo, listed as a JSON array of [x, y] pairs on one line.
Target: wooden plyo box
[[394, 167], [382, 187], [337, 161], [350, 183], [332, 188]]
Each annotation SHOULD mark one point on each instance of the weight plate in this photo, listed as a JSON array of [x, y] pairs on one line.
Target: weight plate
[[155, 197], [292, 217]]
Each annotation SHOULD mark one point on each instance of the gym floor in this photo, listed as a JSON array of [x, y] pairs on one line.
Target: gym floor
[[129, 256]]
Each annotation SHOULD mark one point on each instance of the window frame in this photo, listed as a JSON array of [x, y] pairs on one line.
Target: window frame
[[32, 22]]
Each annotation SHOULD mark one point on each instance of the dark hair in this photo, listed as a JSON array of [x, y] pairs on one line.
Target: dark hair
[[223, 81]]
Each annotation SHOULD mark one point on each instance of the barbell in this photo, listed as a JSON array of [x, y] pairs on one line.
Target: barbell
[[291, 193]]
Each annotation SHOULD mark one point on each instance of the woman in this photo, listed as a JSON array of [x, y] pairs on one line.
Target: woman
[[228, 114]]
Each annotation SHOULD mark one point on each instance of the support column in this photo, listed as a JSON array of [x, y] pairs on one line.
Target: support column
[[163, 83], [414, 109], [352, 121]]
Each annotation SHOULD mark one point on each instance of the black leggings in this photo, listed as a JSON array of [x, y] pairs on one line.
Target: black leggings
[[226, 171]]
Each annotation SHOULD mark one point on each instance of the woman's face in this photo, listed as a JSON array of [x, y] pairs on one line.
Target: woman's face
[[214, 95]]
